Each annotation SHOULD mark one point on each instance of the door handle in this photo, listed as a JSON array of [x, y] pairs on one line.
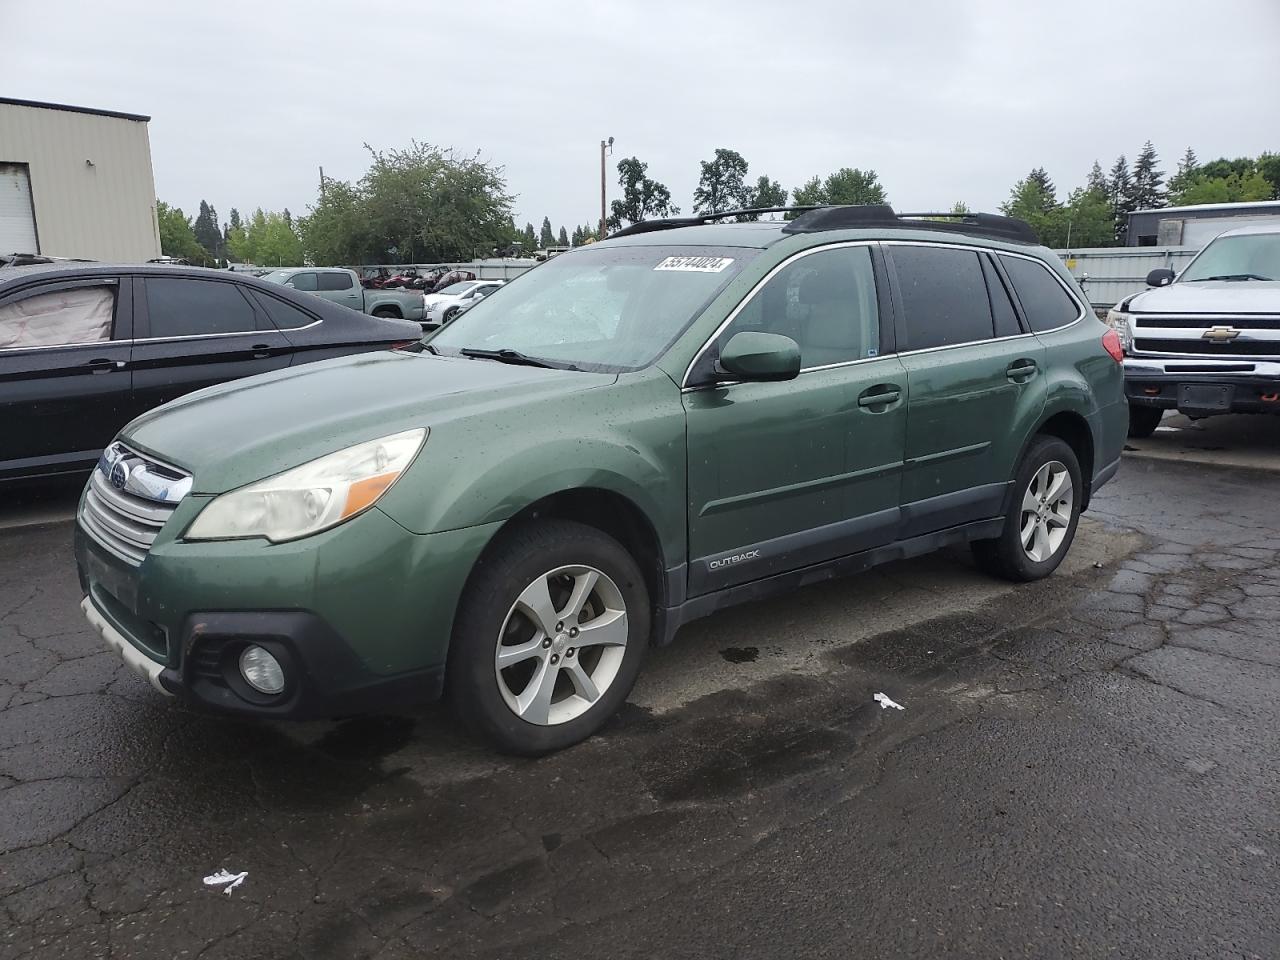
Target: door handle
[[879, 396], [1021, 371], [261, 351], [103, 365]]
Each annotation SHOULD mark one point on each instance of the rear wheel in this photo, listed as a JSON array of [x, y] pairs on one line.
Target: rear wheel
[[387, 312], [549, 637], [1144, 420], [1042, 518]]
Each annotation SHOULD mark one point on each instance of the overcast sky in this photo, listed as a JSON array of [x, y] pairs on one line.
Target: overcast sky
[[946, 100]]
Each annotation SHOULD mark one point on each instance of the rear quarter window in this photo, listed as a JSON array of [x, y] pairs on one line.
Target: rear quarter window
[[1045, 302]]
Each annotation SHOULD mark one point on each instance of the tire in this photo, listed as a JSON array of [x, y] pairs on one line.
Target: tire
[[448, 315], [1144, 420], [387, 313], [1052, 523], [546, 654]]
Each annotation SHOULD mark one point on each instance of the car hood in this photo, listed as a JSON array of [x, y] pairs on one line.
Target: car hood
[[235, 433], [1210, 296]]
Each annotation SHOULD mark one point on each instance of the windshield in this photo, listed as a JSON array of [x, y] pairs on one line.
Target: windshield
[[454, 289], [609, 308], [1245, 256], [277, 276]]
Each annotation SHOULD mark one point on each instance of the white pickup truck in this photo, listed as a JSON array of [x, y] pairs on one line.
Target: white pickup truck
[[1208, 341], [343, 286]]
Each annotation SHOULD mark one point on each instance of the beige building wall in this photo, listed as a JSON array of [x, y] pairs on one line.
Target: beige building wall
[[91, 182]]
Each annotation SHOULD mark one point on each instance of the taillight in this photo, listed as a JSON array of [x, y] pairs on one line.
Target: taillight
[[1111, 344]]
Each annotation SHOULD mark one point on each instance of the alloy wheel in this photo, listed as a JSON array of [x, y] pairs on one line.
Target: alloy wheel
[[561, 645], [1046, 511]]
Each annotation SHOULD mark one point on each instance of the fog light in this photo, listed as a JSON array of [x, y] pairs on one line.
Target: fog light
[[261, 670]]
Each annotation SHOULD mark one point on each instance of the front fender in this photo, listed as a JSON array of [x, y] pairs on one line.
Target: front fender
[[628, 439]]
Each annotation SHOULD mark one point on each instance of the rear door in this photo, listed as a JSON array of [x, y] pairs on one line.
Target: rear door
[[784, 475], [976, 379], [195, 331], [64, 372]]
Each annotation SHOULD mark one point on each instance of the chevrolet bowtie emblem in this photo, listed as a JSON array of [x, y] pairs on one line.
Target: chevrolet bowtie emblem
[[1220, 334]]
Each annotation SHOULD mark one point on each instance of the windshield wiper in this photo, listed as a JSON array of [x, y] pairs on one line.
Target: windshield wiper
[[1233, 276], [507, 355]]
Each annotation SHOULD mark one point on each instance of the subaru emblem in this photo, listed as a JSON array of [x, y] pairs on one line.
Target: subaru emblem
[[119, 474]]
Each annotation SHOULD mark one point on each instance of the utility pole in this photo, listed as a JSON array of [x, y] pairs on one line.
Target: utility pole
[[604, 214], [322, 182]]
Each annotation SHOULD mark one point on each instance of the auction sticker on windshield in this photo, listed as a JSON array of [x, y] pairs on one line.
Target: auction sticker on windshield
[[695, 264]]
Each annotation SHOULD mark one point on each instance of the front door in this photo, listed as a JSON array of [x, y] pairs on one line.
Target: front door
[[977, 385], [64, 373], [194, 332], [784, 475]]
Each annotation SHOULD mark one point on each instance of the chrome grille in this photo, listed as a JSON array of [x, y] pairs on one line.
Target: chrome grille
[[128, 500]]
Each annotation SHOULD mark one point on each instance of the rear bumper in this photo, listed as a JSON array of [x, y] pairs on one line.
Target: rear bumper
[[1251, 386]]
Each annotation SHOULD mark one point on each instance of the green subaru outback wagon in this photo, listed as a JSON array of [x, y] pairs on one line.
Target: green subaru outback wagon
[[630, 436]]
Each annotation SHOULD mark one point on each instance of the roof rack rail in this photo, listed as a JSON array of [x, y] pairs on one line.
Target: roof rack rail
[[883, 215], [649, 226], [816, 218]]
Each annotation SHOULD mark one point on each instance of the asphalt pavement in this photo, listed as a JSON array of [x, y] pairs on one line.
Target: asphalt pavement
[[1085, 767]]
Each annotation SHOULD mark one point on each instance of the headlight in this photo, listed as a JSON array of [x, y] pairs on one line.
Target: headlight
[[310, 498], [1118, 320]]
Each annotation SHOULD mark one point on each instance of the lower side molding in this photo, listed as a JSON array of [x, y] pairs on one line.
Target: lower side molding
[[671, 619]]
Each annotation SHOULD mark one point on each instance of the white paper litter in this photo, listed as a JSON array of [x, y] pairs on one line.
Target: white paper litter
[[886, 703], [232, 880]]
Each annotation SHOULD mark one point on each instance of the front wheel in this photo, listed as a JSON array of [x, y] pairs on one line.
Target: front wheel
[[1143, 421], [1042, 518], [549, 637]]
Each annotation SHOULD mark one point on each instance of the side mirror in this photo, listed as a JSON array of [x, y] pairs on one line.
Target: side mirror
[[1160, 278], [760, 356]]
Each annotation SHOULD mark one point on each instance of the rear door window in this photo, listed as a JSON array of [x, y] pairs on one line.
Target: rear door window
[[58, 318], [185, 307], [1045, 302], [944, 296], [330, 281]]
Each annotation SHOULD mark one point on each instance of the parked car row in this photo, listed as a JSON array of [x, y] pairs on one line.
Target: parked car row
[[85, 348]]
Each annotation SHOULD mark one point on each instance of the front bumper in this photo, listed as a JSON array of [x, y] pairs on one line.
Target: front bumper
[[1247, 386], [359, 616]]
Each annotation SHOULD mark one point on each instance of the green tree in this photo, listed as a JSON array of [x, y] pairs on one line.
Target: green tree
[[547, 236], [177, 238], [233, 237], [529, 239], [1269, 166], [1085, 221], [960, 207], [1097, 180], [722, 185], [1030, 201], [1232, 188], [1188, 167], [564, 237], [271, 241], [766, 193], [1147, 180], [811, 193], [207, 232], [853, 186], [335, 232], [643, 198], [1120, 193]]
